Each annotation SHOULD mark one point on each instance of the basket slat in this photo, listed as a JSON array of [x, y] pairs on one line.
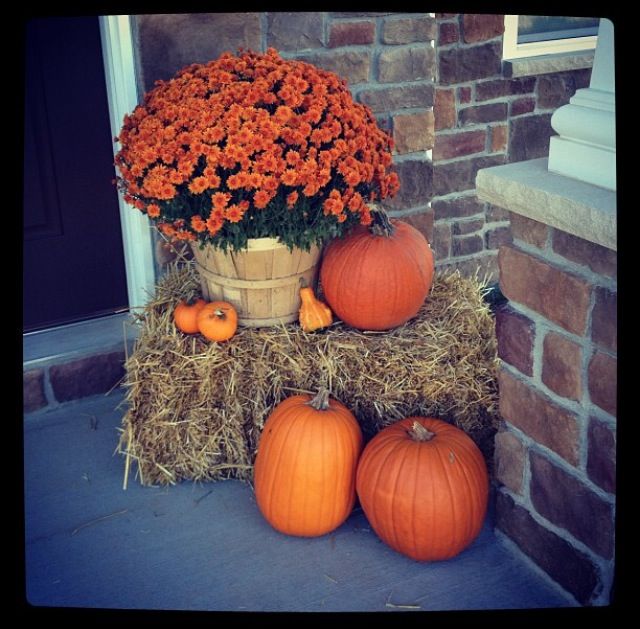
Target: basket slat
[[262, 282]]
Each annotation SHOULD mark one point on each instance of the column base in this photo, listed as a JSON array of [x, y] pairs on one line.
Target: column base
[[593, 164]]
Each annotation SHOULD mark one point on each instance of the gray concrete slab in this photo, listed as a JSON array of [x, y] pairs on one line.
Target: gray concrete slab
[[75, 340], [196, 546]]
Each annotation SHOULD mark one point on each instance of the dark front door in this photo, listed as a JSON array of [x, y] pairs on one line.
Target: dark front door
[[73, 255]]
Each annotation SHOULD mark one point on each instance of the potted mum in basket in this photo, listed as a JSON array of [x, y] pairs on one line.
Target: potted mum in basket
[[257, 161]]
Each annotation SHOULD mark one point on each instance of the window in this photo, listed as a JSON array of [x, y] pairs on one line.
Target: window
[[533, 35]]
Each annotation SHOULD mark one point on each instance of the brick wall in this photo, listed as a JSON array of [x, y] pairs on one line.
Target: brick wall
[[388, 60], [483, 119], [555, 456]]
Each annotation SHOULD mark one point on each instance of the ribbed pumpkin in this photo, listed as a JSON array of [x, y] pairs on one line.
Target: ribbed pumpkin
[[305, 468], [377, 278], [423, 486]]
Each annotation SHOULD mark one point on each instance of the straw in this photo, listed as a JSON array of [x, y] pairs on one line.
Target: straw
[[195, 409]]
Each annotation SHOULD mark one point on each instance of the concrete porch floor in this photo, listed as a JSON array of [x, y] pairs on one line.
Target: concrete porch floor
[[195, 546]]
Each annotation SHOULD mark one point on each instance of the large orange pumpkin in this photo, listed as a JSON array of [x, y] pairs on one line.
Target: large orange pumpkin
[[305, 468], [423, 486], [377, 278]]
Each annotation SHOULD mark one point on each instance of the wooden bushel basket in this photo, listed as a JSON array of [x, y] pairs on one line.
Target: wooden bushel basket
[[262, 282]]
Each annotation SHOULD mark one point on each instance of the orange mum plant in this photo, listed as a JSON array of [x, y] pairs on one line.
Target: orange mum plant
[[253, 146]]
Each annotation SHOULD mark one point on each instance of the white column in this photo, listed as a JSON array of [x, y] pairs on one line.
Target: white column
[[122, 92], [585, 148]]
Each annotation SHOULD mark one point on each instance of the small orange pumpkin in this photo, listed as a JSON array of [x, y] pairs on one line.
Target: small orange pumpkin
[[423, 486], [305, 468], [218, 321], [314, 314], [185, 315]]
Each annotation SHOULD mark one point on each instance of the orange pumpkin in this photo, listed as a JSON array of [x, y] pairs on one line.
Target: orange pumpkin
[[218, 321], [185, 315], [423, 486], [305, 468], [377, 278], [314, 314]]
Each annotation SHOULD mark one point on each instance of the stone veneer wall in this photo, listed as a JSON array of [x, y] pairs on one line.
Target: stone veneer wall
[[50, 385], [556, 453], [395, 63], [483, 119], [387, 58]]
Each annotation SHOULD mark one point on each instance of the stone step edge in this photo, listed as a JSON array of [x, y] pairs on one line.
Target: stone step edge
[[49, 384]]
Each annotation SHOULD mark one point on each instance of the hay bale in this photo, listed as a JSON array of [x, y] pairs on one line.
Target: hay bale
[[196, 409]]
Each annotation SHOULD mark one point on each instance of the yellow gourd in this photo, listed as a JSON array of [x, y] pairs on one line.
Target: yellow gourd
[[314, 314]]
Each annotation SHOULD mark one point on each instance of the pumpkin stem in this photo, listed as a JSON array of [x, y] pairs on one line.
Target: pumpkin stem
[[321, 400], [220, 313], [419, 433], [303, 283], [381, 225]]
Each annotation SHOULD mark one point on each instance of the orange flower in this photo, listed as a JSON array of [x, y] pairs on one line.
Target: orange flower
[[185, 168], [255, 180], [311, 189], [213, 181], [197, 224], [212, 154], [328, 206], [292, 199], [270, 185], [198, 185], [289, 177], [292, 158], [213, 134], [352, 178], [243, 179], [214, 223], [167, 229], [218, 213], [220, 200], [365, 217], [244, 136], [267, 163], [234, 213], [166, 192], [355, 202], [234, 182], [175, 177], [153, 210], [261, 199], [283, 114]]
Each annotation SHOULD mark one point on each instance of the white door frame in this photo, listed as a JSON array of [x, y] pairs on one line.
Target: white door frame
[[122, 92]]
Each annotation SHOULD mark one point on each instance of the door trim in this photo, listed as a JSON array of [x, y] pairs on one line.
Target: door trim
[[122, 92]]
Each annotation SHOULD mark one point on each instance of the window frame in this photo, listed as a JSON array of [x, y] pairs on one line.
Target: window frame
[[511, 49]]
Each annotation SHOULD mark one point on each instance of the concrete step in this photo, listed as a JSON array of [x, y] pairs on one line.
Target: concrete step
[[74, 361]]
